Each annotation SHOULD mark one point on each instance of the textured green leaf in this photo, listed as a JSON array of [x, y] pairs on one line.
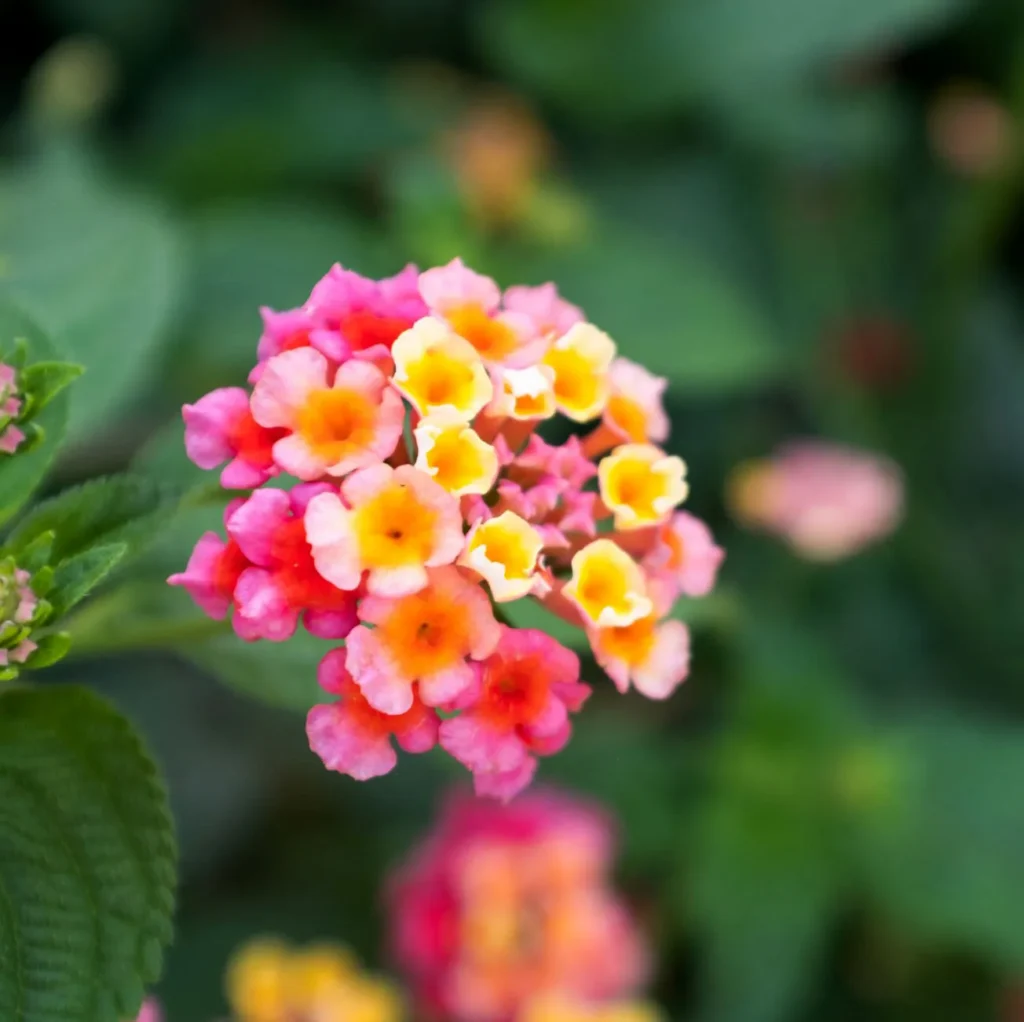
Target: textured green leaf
[[280, 673], [97, 267], [87, 860], [76, 577], [22, 473], [667, 307], [117, 509]]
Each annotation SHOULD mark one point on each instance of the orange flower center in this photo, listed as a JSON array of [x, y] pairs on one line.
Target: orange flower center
[[491, 338], [441, 380], [633, 483], [631, 643], [395, 529], [426, 633], [334, 422]]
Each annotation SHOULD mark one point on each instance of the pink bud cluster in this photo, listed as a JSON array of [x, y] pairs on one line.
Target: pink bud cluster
[[405, 412], [503, 906], [11, 436]]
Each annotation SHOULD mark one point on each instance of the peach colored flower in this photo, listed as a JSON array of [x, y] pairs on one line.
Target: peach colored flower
[[581, 360], [558, 1007], [608, 586], [424, 642], [437, 370], [471, 305], [652, 654], [352, 737], [505, 552], [684, 556], [336, 425], [394, 524], [453, 455], [641, 485]]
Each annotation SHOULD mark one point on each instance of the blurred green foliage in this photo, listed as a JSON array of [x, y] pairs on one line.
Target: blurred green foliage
[[778, 204]]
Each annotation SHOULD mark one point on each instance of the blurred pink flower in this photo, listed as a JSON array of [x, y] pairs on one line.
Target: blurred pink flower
[[150, 1012], [825, 500], [502, 903]]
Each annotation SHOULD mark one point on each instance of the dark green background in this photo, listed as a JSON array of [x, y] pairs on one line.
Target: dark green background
[[827, 822]]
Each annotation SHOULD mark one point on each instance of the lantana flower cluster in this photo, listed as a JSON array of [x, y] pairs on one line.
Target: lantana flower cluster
[[507, 912], [401, 494]]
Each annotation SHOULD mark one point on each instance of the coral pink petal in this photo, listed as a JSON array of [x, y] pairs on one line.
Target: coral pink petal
[[208, 423], [454, 285], [505, 785], [479, 747], [331, 624], [448, 685], [376, 674], [284, 384], [422, 737], [332, 674], [393, 582], [668, 663], [262, 608], [252, 525], [335, 736]]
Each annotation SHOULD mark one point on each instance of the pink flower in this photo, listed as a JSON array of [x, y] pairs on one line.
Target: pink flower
[[654, 655], [352, 737], [395, 523], [684, 557], [335, 422], [550, 314], [11, 439], [356, 317], [503, 902], [219, 427], [283, 582], [528, 687], [425, 641], [150, 1012], [212, 573], [470, 303], [282, 331], [826, 501]]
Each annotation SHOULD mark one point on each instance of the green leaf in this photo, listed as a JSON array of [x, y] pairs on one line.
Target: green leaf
[[79, 575], [96, 266], [728, 45], [87, 860], [943, 842], [22, 472], [611, 60], [280, 673], [247, 255], [668, 308], [117, 509], [50, 649], [45, 380]]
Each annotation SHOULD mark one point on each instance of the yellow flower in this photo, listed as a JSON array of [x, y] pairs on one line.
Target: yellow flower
[[269, 982], [641, 485], [559, 1008], [437, 370], [505, 552], [608, 586], [451, 452], [581, 359]]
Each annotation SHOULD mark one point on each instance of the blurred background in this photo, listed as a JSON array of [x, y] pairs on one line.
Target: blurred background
[[807, 214]]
